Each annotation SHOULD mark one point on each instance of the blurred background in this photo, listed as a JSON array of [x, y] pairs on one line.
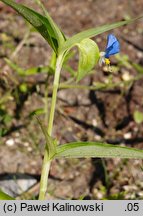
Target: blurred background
[[112, 114]]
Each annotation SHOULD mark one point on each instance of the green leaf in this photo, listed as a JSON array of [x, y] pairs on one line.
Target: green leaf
[[97, 149], [88, 57], [44, 25], [51, 143], [15, 67], [4, 196], [37, 112], [30, 71], [39, 69], [69, 43], [138, 117]]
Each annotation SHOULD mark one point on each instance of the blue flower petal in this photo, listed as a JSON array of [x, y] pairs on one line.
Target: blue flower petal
[[110, 40], [113, 46]]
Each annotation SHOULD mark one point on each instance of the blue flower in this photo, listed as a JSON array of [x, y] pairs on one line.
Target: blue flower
[[112, 48]]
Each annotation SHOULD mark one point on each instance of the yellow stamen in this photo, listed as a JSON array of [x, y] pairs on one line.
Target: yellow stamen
[[107, 61]]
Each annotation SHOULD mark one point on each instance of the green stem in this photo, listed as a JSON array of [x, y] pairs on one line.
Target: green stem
[[46, 99], [100, 86], [46, 160]]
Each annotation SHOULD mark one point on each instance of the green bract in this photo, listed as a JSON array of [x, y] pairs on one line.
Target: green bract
[[88, 57]]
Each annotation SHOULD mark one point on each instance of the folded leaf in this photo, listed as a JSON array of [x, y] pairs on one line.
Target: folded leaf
[[77, 38], [97, 149], [45, 25], [51, 143], [88, 57]]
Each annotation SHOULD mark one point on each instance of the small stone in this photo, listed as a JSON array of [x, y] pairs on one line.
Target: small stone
[[97, 137], [10, 142], [94, 122], [126, 76], [15, 184], [29, 149], [127, 135], [26, 144], [140, 193], [139, 55]]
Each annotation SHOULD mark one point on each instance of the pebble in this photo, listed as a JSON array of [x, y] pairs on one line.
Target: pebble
[[29, 149], [94, 122], [140, 193], [127, 135], [126, 76], [26, 144], [15, 184], [97, 137], [10, 142]]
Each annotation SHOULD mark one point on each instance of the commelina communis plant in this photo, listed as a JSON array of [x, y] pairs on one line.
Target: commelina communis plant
[[89, 57]]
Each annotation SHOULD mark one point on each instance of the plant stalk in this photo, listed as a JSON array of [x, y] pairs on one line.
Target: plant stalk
[[47, 160]]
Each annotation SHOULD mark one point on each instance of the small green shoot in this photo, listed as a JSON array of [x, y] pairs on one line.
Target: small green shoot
[[138, 117]]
